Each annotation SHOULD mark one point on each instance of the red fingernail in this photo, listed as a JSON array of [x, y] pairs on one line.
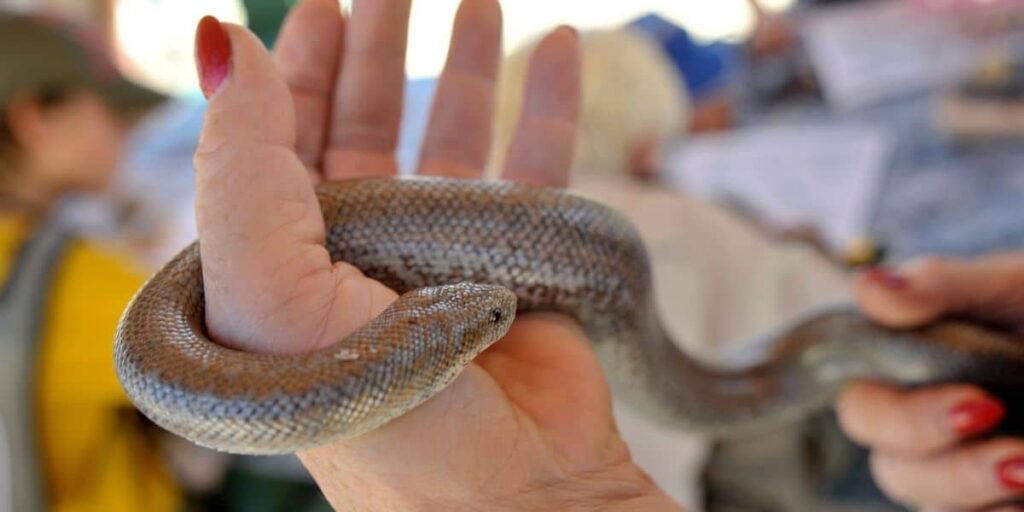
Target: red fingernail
[[976, 416], [886, 278], [1011, 473], [213, 54]]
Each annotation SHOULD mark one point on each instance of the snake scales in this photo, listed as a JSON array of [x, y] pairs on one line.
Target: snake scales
[[467, 255]]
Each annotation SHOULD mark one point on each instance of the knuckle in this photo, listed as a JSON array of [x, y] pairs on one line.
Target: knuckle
[[209, 151]]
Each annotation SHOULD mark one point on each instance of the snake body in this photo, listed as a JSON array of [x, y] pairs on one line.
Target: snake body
[[467, 255]]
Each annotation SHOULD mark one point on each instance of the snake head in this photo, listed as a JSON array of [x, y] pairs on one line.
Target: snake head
[[476, 315]]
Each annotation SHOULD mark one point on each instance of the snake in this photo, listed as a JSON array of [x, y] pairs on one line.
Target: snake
[[467, 256]]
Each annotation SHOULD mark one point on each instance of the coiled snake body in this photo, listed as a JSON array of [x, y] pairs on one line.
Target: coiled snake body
[[467, 255]]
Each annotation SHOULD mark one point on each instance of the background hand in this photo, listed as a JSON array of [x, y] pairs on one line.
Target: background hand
[[925, 446], [531, 420]]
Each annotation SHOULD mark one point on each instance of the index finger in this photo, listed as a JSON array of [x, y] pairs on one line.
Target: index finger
[[368, 97], [308, 54]]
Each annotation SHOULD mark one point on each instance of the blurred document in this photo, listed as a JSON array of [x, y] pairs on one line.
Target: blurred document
[[868, 52], [826, 176]]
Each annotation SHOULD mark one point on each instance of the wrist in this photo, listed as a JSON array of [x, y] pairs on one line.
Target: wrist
[[621, 487]]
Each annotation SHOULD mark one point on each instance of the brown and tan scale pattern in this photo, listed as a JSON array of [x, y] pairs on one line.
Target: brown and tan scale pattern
[[467, 255]]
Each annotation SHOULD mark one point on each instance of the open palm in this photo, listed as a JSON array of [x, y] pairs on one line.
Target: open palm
[[534, 409]]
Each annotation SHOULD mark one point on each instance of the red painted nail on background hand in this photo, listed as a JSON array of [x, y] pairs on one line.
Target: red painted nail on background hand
[[886, 278], [1011, 473], [976, 416]]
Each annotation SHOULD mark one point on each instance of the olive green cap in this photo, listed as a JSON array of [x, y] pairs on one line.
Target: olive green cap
[[39, 52]]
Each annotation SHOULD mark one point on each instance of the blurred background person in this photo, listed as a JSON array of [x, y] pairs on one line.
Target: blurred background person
[[648, 82], [73, 441]]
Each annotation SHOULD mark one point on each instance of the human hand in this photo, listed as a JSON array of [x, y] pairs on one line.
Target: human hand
[[925, 444], [529, 423]]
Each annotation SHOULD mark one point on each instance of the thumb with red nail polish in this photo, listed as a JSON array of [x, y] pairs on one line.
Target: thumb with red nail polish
[[259, 222]]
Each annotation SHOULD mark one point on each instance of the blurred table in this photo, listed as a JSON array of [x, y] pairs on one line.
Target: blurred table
[[937, 196], [945, 198]]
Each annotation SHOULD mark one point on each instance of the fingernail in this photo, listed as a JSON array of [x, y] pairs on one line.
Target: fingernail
[[1011, 473], [886, 277], [976, 416], [213, 54]]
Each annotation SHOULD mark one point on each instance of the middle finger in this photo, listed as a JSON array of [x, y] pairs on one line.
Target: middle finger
[[368, 99]]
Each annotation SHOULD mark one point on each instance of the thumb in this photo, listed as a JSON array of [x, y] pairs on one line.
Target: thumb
[[989, 289], [260, 228]]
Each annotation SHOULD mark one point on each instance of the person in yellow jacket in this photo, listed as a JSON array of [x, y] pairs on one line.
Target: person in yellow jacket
[[62, 121]]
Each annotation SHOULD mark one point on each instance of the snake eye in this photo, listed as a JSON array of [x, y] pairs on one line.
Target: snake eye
[[496, 315]]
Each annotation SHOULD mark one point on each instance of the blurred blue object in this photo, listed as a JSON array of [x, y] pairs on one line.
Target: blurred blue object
[[419, 96], [705, 68]]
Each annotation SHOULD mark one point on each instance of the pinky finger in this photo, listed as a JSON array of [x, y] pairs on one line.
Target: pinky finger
[[542, 148]]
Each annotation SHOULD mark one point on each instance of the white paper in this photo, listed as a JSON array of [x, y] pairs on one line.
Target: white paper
[[823, 175], [869, 52]]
